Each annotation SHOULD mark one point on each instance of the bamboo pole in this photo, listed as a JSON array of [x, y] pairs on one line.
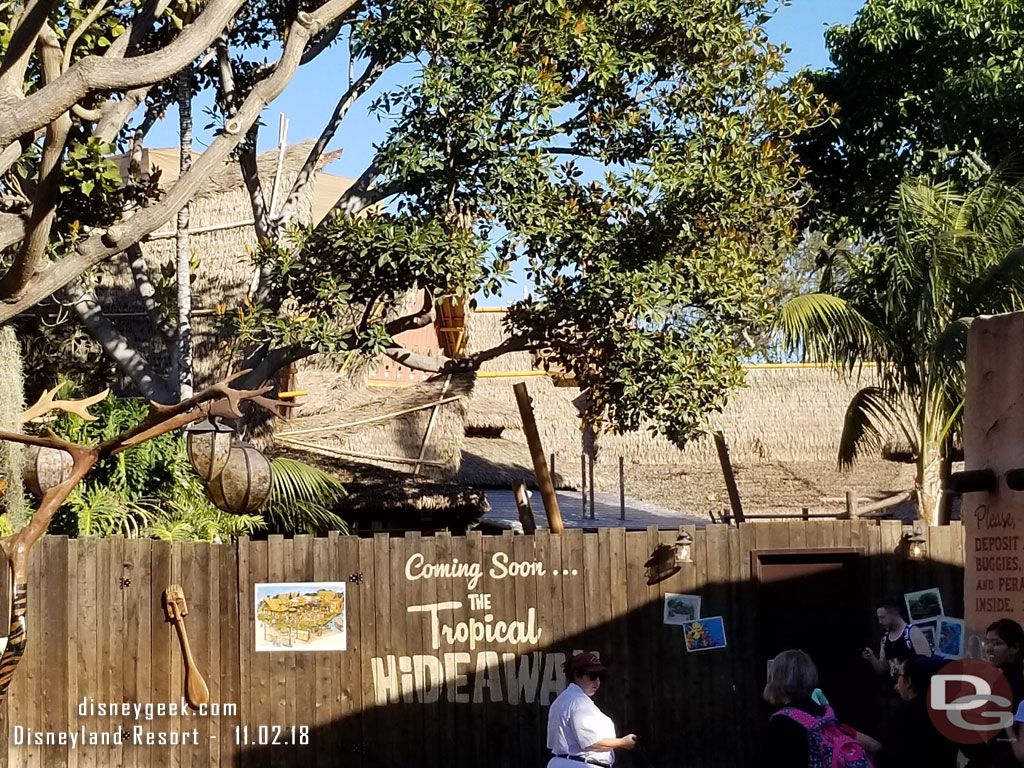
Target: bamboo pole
[[314, 448], [540, 464], [383, 417], [430, 425]]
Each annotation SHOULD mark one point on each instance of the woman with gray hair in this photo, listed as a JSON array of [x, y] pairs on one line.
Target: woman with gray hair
[[803, 732]]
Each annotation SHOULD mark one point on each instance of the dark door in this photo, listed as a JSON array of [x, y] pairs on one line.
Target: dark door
[[814, 600]]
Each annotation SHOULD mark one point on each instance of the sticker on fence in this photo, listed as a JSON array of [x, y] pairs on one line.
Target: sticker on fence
[[301, 616]]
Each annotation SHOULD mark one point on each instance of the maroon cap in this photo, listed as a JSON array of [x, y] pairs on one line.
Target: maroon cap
[[586, 662]]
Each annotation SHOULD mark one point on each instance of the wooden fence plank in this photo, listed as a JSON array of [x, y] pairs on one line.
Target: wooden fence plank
[[368, 600], [381, 750], [302, 707], [229, 598], [261, 662]]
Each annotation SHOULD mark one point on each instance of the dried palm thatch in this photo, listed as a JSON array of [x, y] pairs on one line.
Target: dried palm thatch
[[485, 330], [12, 403], [225, 270], [390, 427]]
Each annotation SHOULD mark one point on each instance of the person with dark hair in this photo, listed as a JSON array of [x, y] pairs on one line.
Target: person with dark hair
[[900, 640], [579, 732], [908, 736], [1004, 647], [802, 732]]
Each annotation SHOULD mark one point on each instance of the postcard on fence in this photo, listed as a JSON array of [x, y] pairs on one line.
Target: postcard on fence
[[924, 605], [680, 609], [301, 616], [950, 636], [928, 629], [704, 634]]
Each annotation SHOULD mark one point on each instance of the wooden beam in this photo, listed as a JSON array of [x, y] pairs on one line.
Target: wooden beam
[[540, 463], [730, 478]]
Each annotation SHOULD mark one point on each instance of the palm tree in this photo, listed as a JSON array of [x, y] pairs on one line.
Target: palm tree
[[905, 302]]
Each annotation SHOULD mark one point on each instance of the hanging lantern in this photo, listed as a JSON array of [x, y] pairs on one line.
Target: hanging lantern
[[244, 483], [683, 548], [915, 545], [208, 445], [45, 468]]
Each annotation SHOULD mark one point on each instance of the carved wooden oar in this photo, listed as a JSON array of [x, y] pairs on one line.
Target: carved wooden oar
[[196, 691]]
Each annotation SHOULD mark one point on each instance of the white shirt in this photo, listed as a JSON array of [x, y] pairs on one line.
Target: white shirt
[[575, 722]]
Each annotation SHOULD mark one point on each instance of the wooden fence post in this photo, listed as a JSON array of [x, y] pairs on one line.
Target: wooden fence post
[[851, 504], [540, 464]]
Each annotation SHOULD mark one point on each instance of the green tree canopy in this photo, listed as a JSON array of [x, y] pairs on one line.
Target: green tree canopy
[[923, 87]]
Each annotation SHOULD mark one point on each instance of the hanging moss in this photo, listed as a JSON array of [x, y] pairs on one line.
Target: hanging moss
[[12, 403]]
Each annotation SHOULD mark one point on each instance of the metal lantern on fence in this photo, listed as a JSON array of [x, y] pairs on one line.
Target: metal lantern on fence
[[244, 483], [45, 468], [208, 444]]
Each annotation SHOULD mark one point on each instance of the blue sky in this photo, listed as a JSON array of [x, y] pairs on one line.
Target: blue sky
[[310, 98]]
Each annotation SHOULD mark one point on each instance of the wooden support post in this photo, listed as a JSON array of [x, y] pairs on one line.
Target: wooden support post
[[730, 478], [540, 465], [805, 513], [622, 488], [524, 509], [593, 506], [583, 485], [552, 467], [851, 505]]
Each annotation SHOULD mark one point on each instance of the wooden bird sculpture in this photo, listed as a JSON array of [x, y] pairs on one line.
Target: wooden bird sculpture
[[196, 691]]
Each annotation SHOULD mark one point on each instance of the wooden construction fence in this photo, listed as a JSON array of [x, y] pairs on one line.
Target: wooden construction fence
[[399, 696]]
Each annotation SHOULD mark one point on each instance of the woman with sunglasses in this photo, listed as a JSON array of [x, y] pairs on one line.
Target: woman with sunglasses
[[579, 732]]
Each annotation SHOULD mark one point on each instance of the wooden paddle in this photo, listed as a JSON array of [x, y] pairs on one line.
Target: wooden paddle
[[196, 691]]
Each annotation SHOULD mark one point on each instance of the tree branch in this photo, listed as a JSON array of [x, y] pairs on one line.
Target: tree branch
[[326, 38], [442, 364], [147, 293], [247, 159], [33, 248], [129, 360], [19, 115], [373, 71], [23, 40], [101, 245]]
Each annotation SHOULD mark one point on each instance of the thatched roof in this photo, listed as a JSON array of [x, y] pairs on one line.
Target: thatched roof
[[225, 269], [485, 330], [391, 424], [501, 463]]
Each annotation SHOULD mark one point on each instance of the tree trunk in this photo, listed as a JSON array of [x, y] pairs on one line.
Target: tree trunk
[[929, 484], [183, 346]]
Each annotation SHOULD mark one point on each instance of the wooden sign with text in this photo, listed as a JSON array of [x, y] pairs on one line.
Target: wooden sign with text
[[994, 439]]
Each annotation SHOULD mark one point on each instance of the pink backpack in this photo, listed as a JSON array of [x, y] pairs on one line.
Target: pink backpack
[[830, 744]]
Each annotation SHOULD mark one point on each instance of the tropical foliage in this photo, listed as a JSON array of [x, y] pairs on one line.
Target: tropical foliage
[[151, 490], [906, 301]]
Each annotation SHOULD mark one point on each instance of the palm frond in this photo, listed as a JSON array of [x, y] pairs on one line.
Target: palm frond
[[826, 328], [872, 415], [302, 498]]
